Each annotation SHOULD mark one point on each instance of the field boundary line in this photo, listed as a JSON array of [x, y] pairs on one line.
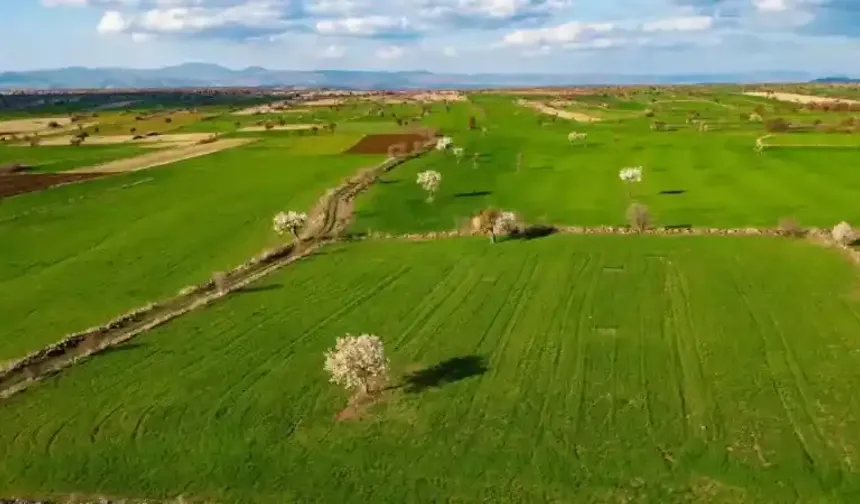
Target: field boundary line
[[328, 220]]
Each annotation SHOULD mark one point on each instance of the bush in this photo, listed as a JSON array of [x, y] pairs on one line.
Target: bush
[[843, 233], [788, 226], [777, 125], [639, 217]]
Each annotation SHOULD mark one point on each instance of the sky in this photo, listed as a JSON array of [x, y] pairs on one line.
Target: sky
[[462, 36]]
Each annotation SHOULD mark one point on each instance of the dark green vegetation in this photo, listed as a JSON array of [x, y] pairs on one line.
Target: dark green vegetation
[[568, 369], [62, 158]]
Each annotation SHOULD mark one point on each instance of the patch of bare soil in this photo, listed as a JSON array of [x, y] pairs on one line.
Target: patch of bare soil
[[20, 183], [324, 102], [268, 108], [37, 125], [564, 114], [286, 127], [163, 157], [380, 144], [799, 98]]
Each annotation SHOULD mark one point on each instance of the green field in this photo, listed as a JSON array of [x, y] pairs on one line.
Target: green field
[[592, 369], [77, 255], [62, 158], [586, 369]]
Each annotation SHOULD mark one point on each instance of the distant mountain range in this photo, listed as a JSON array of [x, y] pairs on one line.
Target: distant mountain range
[[209, 75], [836, 80]]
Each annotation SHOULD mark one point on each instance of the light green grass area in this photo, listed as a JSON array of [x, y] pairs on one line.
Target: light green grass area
[[573, 369], [62, 158], [690, 178], [78, 255]]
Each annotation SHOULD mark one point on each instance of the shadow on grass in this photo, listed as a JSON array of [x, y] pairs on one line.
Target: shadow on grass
[[449, 371], [673, 192], [473, 194], [258, 288], [533, 232], [121, 348], [679, 226], [387, 182]]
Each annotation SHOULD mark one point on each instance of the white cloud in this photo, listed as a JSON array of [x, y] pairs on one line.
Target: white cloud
[[390, 52], [690, 23], [450, 52], [333, 52], [770, 5], [141, 37], [112, 22], [334, 7], [363, 26], [561, 34]]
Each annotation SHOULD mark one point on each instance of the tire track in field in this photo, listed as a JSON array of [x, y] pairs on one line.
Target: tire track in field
[[710, 406], [806, 452], [679, 375], [458, 296]]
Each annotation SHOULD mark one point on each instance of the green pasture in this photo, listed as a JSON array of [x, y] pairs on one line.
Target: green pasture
[[563, 369], [75, 256], [62, 158], [690, 178]]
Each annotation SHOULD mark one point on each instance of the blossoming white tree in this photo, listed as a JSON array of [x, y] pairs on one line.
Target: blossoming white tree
[[443, 143], [575, 136], [358, 363], [429, 181], [458, 153], [289, 221], [843, 233], [505, 223], [631, 174], [495, 222]]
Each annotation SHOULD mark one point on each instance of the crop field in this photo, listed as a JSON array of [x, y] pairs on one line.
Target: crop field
[[62, 158], [91, 251], [591, 367], [572, 369]]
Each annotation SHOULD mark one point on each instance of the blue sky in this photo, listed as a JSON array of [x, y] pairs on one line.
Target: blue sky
[[558, 36]]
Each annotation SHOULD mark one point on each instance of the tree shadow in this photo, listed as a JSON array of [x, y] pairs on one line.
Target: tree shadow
[[125, 347], [472, 194], [258, 288], [533, 232], [679, 226], [387, 182], [673, 192], [449, 371]]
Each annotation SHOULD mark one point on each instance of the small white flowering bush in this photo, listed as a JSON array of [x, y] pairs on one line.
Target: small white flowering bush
[[755, 117], [505, 223], [429, 181], [843, 233], [574, 136], [289, 221], [458, 153], [630, 175], [443, 143], [357, 362]]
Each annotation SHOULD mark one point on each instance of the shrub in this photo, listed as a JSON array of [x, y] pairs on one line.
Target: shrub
[[639, 217], [788, 226], [219, 280], [649, 113], [843, 233], [358, 363], [429, 181], [53, 124], [776, 125], [289, 221], [473, 124], [168, 120]]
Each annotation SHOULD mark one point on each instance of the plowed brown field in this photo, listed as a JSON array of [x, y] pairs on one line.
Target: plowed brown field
[[379, 144], [19, 183]]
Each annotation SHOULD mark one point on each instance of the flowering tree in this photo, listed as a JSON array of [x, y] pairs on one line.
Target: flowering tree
[[755, 117], [843, 233], [289, 221], [631, 174], [443, 143], [505, 223], [357, 362], [495, 222], [458, 153], [574, 137], [429, 181]]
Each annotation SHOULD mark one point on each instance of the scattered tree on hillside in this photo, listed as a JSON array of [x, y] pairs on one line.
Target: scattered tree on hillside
[[630, 176], [843, 233], [458, 153], [574, 137], [473, 124], [289, 221], [755, 117], [429, 181], [495, 222], [776, 125], [358, 363], [444, 142], [269, 125], [132, 131]]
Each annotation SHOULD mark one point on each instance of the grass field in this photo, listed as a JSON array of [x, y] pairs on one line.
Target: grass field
[[77, 255], [57, 159], [690, 178], [585, 369]]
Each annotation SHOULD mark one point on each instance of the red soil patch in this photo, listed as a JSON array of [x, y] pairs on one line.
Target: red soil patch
[[379, 144], [19, 183]]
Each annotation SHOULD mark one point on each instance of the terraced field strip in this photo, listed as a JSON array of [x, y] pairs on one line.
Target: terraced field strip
[[569, 368], [565, 114], [163, 157]]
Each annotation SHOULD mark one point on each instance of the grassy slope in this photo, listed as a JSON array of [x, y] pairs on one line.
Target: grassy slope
[[62, 158], [619, 369], [77, 255], [726, 183]]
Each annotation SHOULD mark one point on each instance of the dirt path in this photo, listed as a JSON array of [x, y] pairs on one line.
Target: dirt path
[[327, 221], [163, 157], [799, 98], [564, 114]]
